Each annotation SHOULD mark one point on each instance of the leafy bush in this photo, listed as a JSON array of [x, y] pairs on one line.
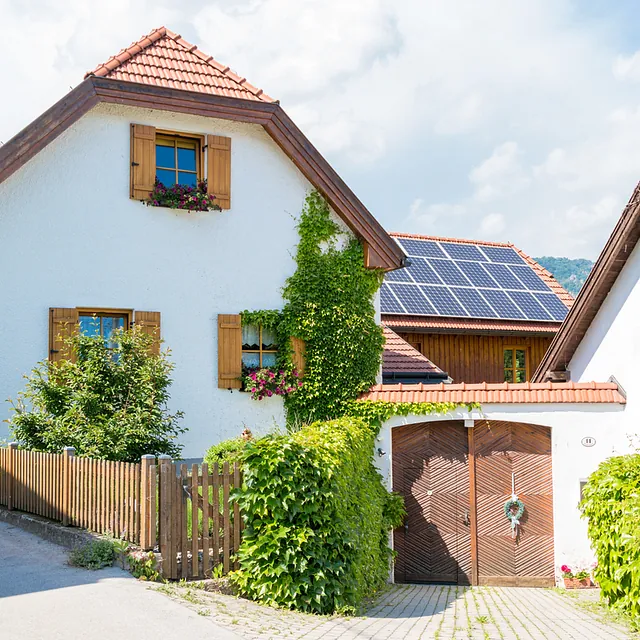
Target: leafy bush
[[317, 518], [111, 403], [612, 505], [226, 451], [95, 554]]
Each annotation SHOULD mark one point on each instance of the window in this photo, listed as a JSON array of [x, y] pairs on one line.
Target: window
[[259, 348], [515, 364], [178, 160], [99, 323]]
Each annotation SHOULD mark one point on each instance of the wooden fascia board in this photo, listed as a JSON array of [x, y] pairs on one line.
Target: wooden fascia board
[[46, 128], [605, 272], [382, 251]]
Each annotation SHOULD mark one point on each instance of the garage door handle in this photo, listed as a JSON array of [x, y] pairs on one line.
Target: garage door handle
[[465, 519]]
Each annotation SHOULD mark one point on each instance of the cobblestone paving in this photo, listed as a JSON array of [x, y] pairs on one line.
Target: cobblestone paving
[[422, 611]]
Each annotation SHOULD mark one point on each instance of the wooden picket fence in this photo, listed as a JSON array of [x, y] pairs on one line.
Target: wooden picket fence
[[200, 527], [144, 503]]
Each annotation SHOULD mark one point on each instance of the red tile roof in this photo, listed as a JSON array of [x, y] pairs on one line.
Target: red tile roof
[[165, 59], [400, 357], [547, 278], [505, 393], [469, 324]]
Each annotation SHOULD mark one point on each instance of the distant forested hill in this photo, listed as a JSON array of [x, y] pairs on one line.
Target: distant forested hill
[[570, 273]]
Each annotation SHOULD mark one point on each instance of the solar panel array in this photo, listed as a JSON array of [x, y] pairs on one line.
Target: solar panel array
[[468, 280]]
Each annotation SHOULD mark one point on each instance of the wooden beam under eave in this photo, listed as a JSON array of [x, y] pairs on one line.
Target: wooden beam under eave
[[372, 259]]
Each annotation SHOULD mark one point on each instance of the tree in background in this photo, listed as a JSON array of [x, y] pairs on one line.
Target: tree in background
[[109, 403]]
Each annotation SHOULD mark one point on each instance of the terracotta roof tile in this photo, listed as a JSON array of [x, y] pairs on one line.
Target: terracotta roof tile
[[163, 58], [400, 357], [473, 324], [505, 393]]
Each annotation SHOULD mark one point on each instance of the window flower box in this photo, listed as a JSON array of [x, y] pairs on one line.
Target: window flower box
[[181, 196]]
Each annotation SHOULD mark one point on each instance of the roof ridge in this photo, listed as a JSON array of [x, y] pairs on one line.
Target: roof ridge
[[419, 236], [126, 54]]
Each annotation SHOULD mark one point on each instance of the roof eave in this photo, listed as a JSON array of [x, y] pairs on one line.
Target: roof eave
[[381, 251]]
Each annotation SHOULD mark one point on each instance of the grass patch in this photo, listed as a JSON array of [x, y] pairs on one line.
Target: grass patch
[[93, 555]]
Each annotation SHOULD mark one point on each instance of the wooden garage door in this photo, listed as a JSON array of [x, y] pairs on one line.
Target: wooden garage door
[[524, 450], [431, 471]]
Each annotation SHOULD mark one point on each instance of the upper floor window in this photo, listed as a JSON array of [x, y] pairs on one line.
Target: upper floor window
[[102, 323], [259, 347], [515, 364], [178, 160]]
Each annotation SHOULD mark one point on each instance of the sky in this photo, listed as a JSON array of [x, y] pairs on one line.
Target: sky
[[495, 120]]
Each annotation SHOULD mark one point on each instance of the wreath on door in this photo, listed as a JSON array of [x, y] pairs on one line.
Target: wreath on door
[[514, 510]]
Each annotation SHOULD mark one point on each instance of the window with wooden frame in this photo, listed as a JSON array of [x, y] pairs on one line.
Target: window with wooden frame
[[179, 158], [65, 322], [259, 347], [516, 364]]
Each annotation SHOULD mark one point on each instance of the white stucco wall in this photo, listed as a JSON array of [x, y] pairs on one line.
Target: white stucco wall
[[572, 462], [72, 237]]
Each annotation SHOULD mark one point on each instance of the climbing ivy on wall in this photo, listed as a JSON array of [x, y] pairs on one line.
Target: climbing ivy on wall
[[329, 305]]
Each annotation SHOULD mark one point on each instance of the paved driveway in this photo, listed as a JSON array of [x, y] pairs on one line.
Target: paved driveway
[[41, 597], [416, 611]]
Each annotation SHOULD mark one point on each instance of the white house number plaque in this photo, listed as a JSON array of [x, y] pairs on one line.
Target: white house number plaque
[[588, 441]]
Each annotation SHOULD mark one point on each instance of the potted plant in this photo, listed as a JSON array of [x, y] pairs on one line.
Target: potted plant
[[578, 579], [269, 381]]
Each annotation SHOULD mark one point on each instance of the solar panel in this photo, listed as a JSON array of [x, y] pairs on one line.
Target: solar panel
[[463, 251], [443, 300], [529, 278], [502, 304], [399, 275], [424, 248], [503, 255], [449, 273], [474, 304], [478, 276], [531, 308], [412, 299], [422, 273], [553, 305], [388, 302], [503, 276]]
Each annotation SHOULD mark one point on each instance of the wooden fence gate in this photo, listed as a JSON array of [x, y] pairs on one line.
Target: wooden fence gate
[[199, 525]]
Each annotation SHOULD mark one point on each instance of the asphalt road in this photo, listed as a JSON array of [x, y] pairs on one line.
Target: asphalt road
[[41, 597]]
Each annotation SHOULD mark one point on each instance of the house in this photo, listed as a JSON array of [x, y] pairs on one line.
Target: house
[[481, 311], [539, 440], [82, 247]]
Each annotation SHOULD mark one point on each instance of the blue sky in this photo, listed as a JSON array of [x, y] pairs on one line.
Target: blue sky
[[496, 120]]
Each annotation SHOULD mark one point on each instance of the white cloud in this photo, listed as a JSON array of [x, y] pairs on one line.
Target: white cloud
[[472, 108]]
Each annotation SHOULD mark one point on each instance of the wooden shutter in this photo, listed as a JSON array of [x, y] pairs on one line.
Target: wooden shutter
[[149, 321], [298, 347], [219, 170], [229, 351], [63, 323], [143, 160]]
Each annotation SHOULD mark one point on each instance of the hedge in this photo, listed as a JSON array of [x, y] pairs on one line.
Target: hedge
[[611, 502], [317, 518]]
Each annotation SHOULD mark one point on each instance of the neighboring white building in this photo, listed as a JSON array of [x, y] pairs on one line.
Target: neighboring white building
[[545, 437], [77, 240]]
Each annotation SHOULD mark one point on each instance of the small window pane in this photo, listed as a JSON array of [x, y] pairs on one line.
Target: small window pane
[[168, 178], [165, 156], [508, 359], [186, 159], [268, 339], [109, 325], [187, 179], [250, 337], [251, 360], [508, 375], [268, 359], [90, 325], [521, 375], [520, 358]]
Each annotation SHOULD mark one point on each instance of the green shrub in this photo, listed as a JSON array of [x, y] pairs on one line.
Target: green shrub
[[111, 403], [317, 518], [226, 451], [95, 554], [611, 503]]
